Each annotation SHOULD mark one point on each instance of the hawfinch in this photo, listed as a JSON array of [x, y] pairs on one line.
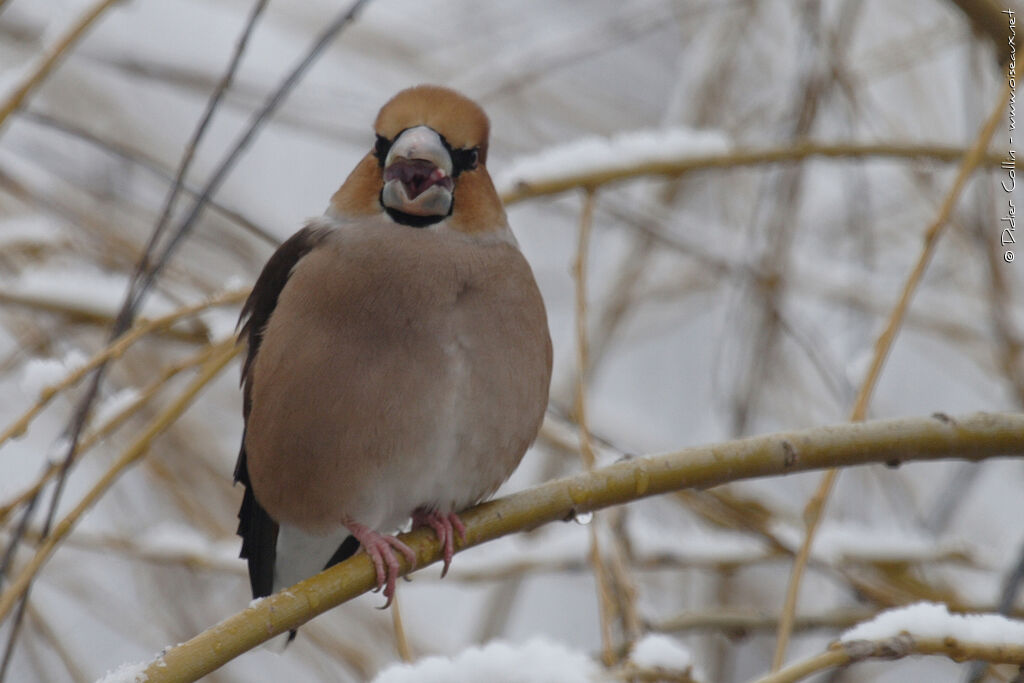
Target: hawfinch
[[398, 355]]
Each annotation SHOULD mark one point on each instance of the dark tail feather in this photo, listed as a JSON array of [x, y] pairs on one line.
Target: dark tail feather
[[259, 536], [346, 550]]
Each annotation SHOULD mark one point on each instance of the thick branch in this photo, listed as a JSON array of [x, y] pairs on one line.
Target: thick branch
[[971, 437]]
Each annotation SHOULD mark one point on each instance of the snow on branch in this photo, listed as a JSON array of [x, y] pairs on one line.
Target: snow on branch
[[591, 162], [921, 629], [933, 620], [597, 156]]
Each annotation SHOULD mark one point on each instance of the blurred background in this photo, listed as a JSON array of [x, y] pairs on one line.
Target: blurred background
[[739, 298]]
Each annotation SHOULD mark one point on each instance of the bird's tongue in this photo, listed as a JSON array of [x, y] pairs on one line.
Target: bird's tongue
[[417, 175]]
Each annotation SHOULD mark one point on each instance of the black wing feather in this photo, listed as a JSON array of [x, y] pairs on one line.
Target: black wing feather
[[255, 526]]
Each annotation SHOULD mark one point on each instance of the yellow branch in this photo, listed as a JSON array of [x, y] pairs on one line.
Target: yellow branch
[[971, 437]]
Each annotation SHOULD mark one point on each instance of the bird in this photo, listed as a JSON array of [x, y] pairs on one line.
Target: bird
[[398, 355]]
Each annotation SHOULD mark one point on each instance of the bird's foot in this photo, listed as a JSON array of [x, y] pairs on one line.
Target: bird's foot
[[381, 549], [446, 527]]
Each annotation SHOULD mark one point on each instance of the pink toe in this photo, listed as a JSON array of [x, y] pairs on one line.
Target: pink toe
[[446, 527], [381, 550], [459, 526]]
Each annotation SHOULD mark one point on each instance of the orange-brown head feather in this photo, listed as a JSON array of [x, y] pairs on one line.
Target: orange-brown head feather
[[456, 117], [463, 125]]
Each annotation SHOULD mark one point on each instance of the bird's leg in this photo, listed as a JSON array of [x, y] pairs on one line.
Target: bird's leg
[[381, 549], [445, 526]]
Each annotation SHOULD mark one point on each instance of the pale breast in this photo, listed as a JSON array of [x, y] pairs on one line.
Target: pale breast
[[398, 377]]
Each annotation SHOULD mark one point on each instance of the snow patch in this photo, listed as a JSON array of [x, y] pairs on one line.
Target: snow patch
[[536, 661], [171, 539], [619, 152], [933, 620], [39, 374], [113, 405], [126, 673], [658, 651]]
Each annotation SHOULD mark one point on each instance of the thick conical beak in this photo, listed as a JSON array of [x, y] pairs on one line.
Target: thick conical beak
[[417, 174]]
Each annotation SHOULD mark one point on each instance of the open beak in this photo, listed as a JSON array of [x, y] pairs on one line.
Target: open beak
[[417, 174]]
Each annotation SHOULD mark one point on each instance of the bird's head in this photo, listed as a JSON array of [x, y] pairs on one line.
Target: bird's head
[[426, 164]]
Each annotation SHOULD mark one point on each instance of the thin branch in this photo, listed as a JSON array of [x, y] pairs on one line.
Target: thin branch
[[80, 312], [605, 603], [198, 559], [505, 569], [580, 275], [815, 506], [971, 437], [52, 58], [401, 641]]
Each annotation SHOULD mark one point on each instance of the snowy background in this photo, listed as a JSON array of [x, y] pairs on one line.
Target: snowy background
[[734, 300]]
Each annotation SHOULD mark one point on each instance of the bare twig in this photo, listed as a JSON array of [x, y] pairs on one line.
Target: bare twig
[[582, 346], [80, 312], [606, 605], [401, 641]]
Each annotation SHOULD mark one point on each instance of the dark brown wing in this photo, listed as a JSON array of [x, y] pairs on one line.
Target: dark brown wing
[[257, 529]]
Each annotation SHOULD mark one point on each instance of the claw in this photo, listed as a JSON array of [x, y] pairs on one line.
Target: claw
[[447, 527], [381, 550]]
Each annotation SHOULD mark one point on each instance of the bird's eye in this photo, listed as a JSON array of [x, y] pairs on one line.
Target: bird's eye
[[465, 159], [380, 148]]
